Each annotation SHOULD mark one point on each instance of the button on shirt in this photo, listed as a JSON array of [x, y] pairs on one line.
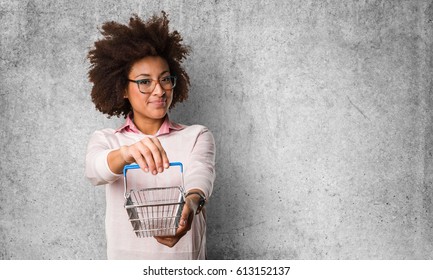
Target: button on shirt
[[193, 145]]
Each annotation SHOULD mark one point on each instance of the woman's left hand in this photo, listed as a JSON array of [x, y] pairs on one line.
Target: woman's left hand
[[185, 222]]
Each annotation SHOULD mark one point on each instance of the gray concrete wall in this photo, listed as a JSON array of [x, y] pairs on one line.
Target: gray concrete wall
[[321, 111]]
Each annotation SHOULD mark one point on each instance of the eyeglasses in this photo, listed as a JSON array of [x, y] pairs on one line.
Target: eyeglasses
[[148, 85]]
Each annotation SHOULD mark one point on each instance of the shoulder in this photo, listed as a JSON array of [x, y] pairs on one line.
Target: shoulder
[[198, 134], [196, 127], [103, 133], [103, 136], [189, 134], [194, 130]]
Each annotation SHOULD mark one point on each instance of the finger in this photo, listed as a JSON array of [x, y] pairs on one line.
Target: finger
[[156, 155], [165, 160], [185, 220], [147, 155], [136, 154]]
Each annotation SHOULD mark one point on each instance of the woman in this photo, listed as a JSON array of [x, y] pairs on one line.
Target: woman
[[136, 72]]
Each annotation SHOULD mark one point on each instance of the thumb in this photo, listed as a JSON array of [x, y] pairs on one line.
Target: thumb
[[184, 216]]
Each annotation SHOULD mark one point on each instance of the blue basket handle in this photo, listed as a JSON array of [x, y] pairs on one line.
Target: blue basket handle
[[136, 166]]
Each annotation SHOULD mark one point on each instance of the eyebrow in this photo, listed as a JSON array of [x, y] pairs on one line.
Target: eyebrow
[[147, 75]]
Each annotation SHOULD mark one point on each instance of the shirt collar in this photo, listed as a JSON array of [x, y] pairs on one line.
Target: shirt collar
[[165, 128]]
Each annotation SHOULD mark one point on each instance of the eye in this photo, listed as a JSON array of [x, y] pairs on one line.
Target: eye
[[145, 82], [166, 79]]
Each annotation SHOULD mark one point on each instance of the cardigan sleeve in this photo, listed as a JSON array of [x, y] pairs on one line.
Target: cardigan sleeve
[[97, 170], [200, 171]]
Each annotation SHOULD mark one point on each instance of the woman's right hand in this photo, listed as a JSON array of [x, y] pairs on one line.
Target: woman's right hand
[[148, 153]]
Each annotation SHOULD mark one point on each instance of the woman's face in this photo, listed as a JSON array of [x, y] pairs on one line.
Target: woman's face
[[150, 105]]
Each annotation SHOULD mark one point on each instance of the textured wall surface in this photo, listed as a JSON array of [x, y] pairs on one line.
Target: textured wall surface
[[321, 112]]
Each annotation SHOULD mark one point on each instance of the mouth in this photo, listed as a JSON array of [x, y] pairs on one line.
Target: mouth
[[158, 102]]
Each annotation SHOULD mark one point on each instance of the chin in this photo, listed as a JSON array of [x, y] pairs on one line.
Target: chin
[[159, 115]]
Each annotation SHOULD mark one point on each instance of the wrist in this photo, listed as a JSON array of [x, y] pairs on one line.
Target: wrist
[[125, 154], [198, 198]]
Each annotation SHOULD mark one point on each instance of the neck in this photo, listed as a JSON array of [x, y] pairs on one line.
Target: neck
[[148, 126]]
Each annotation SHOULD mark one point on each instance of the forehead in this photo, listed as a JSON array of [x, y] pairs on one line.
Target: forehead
[[150, 65]]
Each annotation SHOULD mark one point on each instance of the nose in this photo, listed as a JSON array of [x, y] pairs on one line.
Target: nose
[[158, 90]]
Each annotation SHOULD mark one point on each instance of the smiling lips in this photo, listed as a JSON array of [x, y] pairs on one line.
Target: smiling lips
[[159, 103]]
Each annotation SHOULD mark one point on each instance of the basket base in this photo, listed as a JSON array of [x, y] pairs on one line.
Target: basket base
[[154, 233], [155, 212]]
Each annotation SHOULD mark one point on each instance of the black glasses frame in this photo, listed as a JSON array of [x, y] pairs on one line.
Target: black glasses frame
[[157, 82]]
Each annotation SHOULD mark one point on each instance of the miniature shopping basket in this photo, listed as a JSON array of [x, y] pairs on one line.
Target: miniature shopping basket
[[154, 211]]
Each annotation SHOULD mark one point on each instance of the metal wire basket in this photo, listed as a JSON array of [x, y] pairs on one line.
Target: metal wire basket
[[154, 211]]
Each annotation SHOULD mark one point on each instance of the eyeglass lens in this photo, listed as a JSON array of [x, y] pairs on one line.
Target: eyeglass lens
[[148, 85]]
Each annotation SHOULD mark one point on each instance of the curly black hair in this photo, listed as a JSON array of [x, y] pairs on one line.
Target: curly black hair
[[112, 57]]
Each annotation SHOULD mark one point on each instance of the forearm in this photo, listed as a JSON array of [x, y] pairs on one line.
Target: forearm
[[116, 160], [201, 165]]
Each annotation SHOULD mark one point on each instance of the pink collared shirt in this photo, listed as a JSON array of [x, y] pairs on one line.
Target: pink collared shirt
[[193, 145], [165, 128]]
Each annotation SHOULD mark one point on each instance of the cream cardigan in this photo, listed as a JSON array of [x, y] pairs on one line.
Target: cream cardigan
[[194, 146]]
